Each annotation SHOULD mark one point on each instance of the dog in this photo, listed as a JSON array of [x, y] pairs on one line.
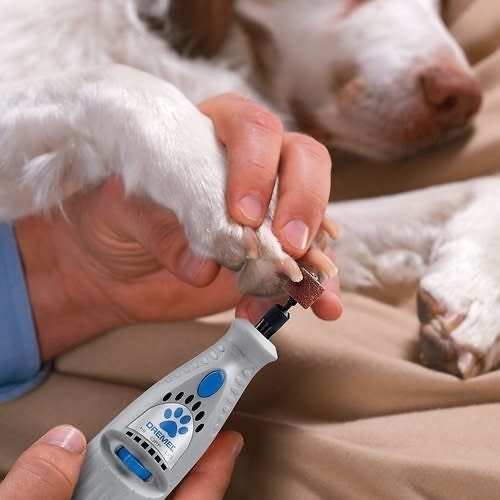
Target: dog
[[86, 85]]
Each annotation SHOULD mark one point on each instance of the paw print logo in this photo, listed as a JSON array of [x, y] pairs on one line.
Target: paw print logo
[[176, 422]]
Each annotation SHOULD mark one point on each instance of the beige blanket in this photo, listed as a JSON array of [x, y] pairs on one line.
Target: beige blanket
[[346, 412]]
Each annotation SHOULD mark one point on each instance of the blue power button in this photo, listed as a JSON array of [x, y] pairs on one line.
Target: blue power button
[[132, 464], [211, 383]]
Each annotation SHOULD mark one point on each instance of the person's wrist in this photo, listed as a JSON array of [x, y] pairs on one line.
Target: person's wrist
[[65, 303]]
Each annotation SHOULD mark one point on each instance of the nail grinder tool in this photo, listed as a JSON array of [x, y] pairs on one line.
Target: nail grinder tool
[[154, 442]]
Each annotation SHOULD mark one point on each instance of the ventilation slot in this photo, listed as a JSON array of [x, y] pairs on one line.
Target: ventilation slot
[[146, 446]]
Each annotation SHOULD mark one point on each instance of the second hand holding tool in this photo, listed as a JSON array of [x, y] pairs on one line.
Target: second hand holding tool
[[146, 450]]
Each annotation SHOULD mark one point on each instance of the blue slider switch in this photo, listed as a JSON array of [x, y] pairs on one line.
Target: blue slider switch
[[132, 464]]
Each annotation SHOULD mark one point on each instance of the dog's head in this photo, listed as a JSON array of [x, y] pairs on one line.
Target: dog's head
[[382, 78]]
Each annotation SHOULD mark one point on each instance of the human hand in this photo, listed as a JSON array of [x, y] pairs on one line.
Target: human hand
[[124, 260], [49, 469]]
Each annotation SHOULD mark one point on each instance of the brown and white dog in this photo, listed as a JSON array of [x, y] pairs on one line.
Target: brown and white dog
[[84, 87], [382, 78]]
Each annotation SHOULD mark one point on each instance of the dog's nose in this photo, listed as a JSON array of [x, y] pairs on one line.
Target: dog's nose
[[454, 95]]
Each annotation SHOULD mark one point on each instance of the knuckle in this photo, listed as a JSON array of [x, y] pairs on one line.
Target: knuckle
[[261, 168], [315, 205], [311, 204], [318, 204], [306, 143], [318, 198], [257, 116], [234, 97]]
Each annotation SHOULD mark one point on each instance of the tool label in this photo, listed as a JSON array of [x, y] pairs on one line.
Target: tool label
[[168, 427]]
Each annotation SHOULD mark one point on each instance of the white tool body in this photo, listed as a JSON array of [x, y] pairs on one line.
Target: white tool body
[[153, 443]]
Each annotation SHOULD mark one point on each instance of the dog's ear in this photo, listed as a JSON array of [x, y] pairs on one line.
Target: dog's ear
[[261, 43], [199, 27]]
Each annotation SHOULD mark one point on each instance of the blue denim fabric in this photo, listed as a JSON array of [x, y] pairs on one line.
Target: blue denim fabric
[[20, 369]]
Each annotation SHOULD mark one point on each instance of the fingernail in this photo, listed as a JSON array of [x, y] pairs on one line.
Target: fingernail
[[251, 207], [238, 446], [191, 265], [66, 437], [297, 234]]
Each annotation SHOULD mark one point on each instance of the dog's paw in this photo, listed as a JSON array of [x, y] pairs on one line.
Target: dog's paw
[[257, 255], [438, 323], [459, 296], [267, 267], [460, 333]]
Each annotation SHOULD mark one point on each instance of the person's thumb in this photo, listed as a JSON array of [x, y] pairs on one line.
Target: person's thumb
[[159, 231], [49, 469]]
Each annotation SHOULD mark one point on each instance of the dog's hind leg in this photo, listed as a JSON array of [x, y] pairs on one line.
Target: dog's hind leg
[[387, 243], [445, 240], [459, 296]]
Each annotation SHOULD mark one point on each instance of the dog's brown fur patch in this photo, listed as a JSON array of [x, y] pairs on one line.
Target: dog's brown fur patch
[[261, 45], [201, 27]]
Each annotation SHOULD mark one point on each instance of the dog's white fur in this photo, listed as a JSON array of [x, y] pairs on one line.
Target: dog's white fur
[[84, 95], [444, 240]]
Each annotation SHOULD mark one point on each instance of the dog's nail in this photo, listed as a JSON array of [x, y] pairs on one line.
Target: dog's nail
[[319, 261], [450, 322], [321, 239], [251, 243], [468, 364], [291, 269], [330, 228], [296, 233], [251, 207]]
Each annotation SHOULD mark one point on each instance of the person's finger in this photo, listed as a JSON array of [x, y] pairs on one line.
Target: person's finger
[[49, 469], [253, 308], [304, 189], [253, 137], [329, 305], [210, 477]]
